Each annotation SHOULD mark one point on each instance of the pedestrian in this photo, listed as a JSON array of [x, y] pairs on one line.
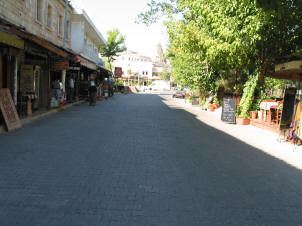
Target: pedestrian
[[92, 93], [70, 89], [111, 87]]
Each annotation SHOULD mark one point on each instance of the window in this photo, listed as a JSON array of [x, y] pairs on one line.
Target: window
[[49, 15], [60, 25], [39, 11]]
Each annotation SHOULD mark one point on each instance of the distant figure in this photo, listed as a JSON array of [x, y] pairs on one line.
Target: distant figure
[[70, 89], [111, 87], [92, 93]]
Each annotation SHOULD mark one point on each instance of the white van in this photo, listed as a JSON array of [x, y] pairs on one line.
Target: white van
[[159, 85]]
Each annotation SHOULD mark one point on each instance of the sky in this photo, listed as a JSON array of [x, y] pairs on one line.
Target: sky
[[121, 14]]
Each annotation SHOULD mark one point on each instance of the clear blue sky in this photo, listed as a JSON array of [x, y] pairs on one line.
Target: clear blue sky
[[121, 14]]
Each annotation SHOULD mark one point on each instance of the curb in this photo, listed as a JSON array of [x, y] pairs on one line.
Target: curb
[[32, 118]]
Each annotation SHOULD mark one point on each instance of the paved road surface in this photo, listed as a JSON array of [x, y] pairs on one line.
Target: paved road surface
[[132, 160]]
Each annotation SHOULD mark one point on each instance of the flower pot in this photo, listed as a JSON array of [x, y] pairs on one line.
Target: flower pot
[[242, 121], [212, 107]]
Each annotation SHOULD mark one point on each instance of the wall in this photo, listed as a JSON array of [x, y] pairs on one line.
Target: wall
[[23, 13], [83, 38], [77, 36]]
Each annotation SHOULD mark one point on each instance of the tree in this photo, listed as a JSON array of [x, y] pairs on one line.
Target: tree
[[115, 45], [165, 74], [233, 40]]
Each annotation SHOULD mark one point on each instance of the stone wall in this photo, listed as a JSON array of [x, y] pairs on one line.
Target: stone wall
[[24, 13]]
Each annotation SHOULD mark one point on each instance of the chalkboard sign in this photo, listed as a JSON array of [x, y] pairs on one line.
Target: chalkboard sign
[[229, 109], [8, 110], [288, 107]]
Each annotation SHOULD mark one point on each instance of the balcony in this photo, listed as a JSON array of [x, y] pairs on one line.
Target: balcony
[[90, 54]]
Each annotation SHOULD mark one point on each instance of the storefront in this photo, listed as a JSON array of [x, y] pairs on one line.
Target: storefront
[[11, 52], [87, 71]]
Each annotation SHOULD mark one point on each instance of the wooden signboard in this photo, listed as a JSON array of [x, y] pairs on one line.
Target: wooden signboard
[[60, 65], [8, 110], [288, 107], [229, 109], [118, 72]]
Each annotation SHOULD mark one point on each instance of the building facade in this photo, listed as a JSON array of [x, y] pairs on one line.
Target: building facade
[[134, 66], [85, 42], [36, 56]]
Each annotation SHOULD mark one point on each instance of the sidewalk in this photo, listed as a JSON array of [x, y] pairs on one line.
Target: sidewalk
[[46, 113], [264, 140]]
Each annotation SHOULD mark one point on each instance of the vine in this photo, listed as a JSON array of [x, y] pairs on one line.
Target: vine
[[247, 97]]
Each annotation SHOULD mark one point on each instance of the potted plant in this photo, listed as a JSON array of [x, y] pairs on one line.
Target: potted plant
[[246, 101], [254, 110]]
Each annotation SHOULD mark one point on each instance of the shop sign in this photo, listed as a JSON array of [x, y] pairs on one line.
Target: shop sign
[[74, 68], [118, 71], [8, 110], [288, 107], [60, 65], [228, 114]]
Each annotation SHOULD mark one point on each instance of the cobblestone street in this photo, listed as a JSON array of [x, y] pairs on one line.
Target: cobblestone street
[[132, 160]]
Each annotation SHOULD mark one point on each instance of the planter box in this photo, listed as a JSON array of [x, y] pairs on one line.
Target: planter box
[[242, 121]]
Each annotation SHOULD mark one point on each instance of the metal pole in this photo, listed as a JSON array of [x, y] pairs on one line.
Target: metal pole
[[65, 24]]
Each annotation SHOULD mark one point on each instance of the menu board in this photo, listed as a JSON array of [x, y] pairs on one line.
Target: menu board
[[288, 107], [8, 110], [229, 109]]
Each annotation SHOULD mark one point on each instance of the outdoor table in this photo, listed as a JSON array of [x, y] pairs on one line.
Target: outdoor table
[[266, 108]]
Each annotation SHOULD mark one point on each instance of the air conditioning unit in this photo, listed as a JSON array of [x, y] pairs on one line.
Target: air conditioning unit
[[294, 66]]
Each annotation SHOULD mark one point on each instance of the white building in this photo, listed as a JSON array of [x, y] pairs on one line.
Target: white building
[[86, 40], [134, 66]]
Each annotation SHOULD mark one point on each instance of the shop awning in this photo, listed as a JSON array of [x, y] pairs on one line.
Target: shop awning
[[86, 63], [288, 75], [11, 40], [45, 44]]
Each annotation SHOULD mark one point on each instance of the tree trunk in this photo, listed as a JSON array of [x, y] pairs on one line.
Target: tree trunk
[[263, 72]]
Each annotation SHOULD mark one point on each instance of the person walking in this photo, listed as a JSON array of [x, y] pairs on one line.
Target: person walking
[[92, 93], [111, 87]]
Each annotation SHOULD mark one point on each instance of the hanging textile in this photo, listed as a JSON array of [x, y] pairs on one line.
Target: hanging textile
[[297, 126]]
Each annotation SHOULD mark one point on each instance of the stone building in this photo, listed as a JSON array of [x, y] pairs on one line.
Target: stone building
[[36, 56], [134, 66]]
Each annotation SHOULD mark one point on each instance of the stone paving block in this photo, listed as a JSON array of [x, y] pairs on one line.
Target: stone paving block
[[132, 160]]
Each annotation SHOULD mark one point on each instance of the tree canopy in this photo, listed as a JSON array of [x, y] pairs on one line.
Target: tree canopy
[[115, 45], [212, 41]]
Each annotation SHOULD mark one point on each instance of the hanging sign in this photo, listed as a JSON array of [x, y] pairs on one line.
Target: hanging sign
[[118, 72], [229, 109], [8, 110], [60, 65]]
